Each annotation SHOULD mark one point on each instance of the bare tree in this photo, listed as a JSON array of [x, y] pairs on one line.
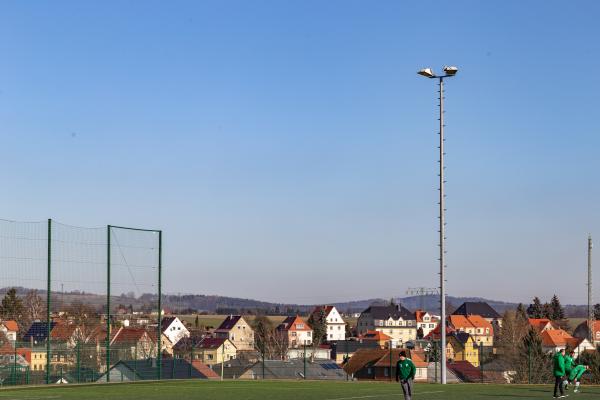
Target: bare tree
[[34, 308], [83, 316]]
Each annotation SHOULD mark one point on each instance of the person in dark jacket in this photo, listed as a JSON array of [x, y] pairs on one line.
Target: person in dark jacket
[[405, 374], [558, 363]]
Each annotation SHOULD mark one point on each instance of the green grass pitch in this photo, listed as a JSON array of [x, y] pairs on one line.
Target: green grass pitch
[[275, 390]]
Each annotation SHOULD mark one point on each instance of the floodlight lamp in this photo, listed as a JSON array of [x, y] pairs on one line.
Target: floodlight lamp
[[450, 71], [427, 72]]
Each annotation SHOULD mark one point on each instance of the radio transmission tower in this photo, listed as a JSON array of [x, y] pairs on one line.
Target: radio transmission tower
[[422, 292]]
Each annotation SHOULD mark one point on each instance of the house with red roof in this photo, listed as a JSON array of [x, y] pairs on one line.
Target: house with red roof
[[425, 323], [211, 351], [378, 337], [554, 340], [380, 364], [582, 331], [541, 324], [67, 334], [336, 326], [133, 343], [10, 329], [475, 325], [238, 331], [296, 332]]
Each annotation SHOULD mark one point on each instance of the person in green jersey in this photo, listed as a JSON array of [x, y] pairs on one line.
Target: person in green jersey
[[575, 375], [405, 373], [558, 370], [569, 365]]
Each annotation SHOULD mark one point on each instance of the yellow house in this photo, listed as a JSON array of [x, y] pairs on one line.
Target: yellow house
[[37, 361], [462, 347], [238, 331], [211, 351]]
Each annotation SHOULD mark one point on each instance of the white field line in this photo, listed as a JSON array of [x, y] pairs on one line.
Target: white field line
[[374, 396]]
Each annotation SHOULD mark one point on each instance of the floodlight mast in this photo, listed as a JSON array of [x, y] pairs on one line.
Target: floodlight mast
[[448, 73]]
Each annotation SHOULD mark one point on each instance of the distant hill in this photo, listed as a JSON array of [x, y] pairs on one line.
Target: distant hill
[[225, 305]]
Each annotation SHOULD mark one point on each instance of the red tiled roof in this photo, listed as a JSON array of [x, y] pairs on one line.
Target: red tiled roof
[[318, 309], [470, 321], [362, 357], [555, 337], [435, 333], [205, 370], [130, 335], [419, 315], [62, 332], [416, 358], [465, 370], [11, 325], [539, 323], [375, 336], [293, 323]]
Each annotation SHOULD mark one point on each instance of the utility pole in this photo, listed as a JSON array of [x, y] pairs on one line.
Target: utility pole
[[589, 285]]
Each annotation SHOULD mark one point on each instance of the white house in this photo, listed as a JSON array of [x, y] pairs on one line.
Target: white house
[[10, 329], [336, 327], [174, 329], [425, 322], [394, 320]]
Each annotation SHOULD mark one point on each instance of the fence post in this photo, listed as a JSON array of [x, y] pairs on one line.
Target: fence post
[[436, 355], [222, 359], [107, 344], [135, 362], [78, 361], [263, 361], [191, 358], [390, 360], [481, 359], [15, 366], [529, 361], [48, 301], [304, 360], [159, 304], [347, 358]]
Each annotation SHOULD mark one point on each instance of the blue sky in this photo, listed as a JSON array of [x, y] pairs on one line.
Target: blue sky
[[288, 149]]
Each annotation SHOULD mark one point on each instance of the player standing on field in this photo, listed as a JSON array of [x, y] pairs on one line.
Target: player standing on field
[[405, 374]]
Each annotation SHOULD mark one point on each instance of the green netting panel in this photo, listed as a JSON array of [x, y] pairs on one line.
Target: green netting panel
[[78, 303], [134, 287], [23, 281]]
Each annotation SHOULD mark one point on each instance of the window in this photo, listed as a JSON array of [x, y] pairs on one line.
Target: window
[[300, 326]]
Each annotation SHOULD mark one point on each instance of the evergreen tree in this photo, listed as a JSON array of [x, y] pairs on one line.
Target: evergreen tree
[[197, 322], [12, 306], [597, 311], [535, 365], [557, 312], [547, 311], [521, 311], [535, 310]]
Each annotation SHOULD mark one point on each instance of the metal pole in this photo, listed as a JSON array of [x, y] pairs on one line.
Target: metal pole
[[590, 300], [305, 360], [107, 345], [159, 304], [78, 361], [15, 365], [481, 360], [222, 360], [442, 238], [529, 361], [390, 360], [48, 301]]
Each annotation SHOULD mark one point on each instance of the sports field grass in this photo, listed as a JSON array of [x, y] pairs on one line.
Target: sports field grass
[[271, 390]]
